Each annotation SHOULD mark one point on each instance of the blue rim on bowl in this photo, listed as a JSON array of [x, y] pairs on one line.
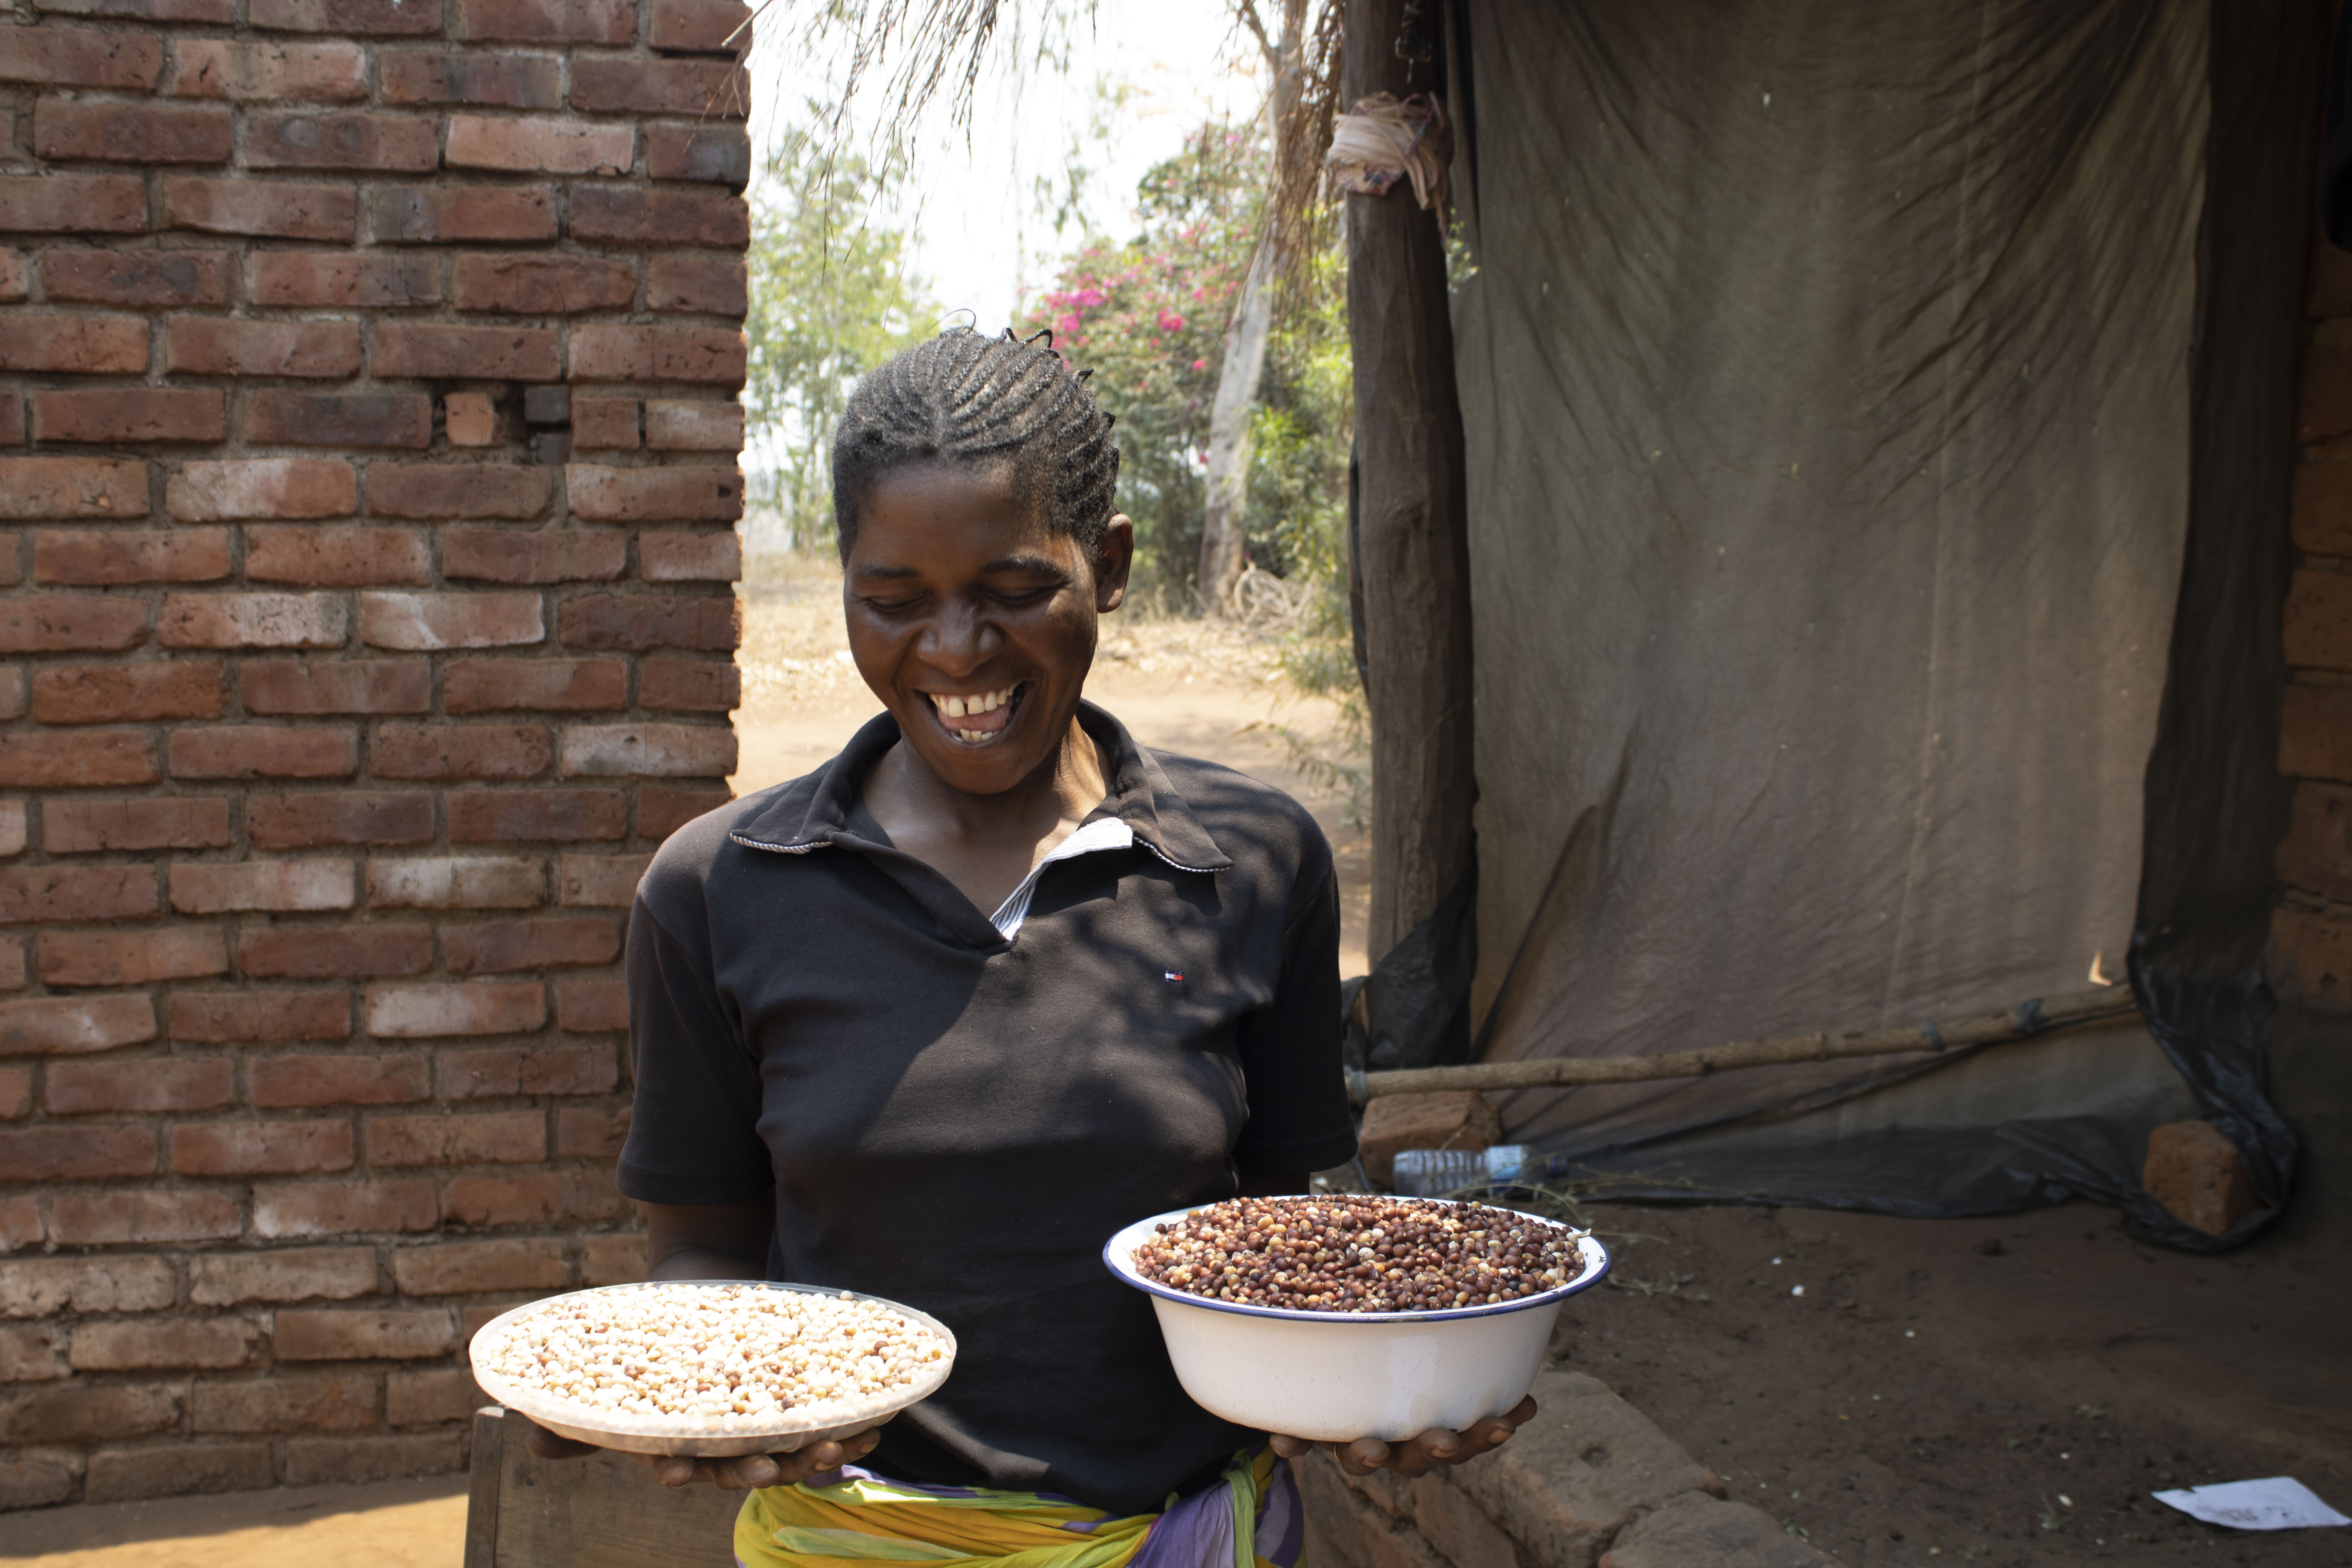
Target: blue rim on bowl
[[1595, 1256]]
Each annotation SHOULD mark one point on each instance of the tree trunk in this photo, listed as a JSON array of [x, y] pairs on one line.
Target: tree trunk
[[1412, 536], [1223, 551]]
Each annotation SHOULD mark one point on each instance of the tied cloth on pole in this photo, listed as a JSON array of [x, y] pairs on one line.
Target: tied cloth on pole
[[1383, 136]]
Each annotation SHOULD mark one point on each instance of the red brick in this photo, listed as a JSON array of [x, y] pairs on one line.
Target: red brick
[[280, 1404], [530, 1199], [498, 947], [584, 1132], [36, 894], [469, 491], [435, 1011], [494, 685], [339, 279], [715, 90], [343, 1208], [601, 881], [73, 204], [97, 131], [307, 1334], [649, 750], [252, 620], [2315, 737], [211, 345], [362, 16], [157, 1083], [505, 1071], [699, 493], [338, 419], [711, 354], [20, 1222], [490, 817], [75, 1154], [259, 1017], [261, 487], [270, 208], [462, 1268], [292, 1274], [336, 686], [80, 57], [141, 1345], [349, 556], [318, 1461], [636, 622], [91, 826], [319, 952], [227, 887], [13, 839], [105, 1219], [690, 557], [714, 284], [261, 73], [2317, 853], [261, 1148], [540, 555], [2318, 626], [343, 817], [704, 425], [15, 1095], [147, 278], [2310, 958], [511, 1137], [687, 685], [608, 424], [708, 26], [662, 812], [12, 419], [510, 81], [2323, 397], [109, 487], [448, 353], [77, 761], [221, 13], [447, 214], [42, 1287], [337, 1080], [113, 693], [83, 1412], [470, 418], [459, 751], [89, 557], [129, 413], [631, 215], [457, 882], [611, 1260], [79, 345], [12, 963], [132, 958], [427, 622], [588, 1006], [13, 275], [33, 1354], [541, 285], [539, 146], [263, 750], [432, 1398], [561, 21]]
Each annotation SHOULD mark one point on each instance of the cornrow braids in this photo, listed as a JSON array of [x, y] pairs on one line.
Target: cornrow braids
[[968, 399]]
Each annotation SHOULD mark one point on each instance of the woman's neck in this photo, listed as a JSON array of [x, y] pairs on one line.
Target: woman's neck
[[986, 843]]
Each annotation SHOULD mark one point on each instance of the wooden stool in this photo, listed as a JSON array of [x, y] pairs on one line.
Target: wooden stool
[[601, 1511]]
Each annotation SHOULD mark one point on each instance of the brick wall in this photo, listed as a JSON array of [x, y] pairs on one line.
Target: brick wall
[[2311, 934], [367, 471]]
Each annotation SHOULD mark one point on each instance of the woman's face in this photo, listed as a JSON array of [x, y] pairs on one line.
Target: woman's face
[[974, 621]]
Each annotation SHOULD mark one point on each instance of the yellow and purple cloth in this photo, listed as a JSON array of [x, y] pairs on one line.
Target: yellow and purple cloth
[[851, 1517]]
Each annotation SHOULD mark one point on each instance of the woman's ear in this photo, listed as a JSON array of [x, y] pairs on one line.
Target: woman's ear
[[1113, 561]]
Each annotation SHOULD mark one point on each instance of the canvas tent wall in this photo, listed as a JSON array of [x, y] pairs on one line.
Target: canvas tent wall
[[1878, 416]]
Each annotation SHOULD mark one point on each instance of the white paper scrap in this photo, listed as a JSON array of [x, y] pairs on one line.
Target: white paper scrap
[[2278, 1503]]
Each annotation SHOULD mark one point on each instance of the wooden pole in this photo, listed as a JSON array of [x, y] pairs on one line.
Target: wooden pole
[[1412, 540], [2019, 1023]]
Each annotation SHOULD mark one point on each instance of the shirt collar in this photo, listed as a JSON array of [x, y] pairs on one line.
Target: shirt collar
[[817, 809]]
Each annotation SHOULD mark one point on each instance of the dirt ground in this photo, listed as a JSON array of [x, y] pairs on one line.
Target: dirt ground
[[386, 1524]]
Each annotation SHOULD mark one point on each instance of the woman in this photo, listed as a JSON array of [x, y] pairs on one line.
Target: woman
[[934, 1021]]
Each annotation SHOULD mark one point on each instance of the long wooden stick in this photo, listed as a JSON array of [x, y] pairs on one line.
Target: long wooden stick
[[2020, 1022]]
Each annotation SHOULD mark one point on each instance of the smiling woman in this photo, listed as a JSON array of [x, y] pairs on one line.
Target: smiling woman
[[934, 1021]]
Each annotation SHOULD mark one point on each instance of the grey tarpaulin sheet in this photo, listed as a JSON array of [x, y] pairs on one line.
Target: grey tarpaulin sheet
[[1827, 381]]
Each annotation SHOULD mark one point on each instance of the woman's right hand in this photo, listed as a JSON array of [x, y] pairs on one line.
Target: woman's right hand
[[746, 1472]]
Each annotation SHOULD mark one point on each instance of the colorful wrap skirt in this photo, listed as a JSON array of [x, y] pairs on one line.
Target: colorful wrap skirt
[[851, 1517]]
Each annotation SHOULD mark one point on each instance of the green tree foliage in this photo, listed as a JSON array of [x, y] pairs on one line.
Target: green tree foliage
[[831, 299]]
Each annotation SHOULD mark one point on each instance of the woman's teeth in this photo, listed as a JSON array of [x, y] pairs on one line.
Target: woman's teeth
[[990, 705]]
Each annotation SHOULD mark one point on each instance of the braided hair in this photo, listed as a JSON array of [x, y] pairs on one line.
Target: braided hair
[[967, 399]]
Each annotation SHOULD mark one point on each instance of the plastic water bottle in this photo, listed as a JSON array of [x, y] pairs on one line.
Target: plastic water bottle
[[1433, 1172]]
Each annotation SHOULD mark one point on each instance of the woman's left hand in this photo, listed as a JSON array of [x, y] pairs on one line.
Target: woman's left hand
[[1417, 1456]]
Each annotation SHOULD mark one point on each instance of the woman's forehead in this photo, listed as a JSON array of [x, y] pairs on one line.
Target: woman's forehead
[[937, 514]]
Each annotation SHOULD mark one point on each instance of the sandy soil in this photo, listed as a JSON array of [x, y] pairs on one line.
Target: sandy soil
[[387, 1524]]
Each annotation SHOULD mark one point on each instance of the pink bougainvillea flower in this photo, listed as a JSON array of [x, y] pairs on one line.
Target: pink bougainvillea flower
[[1169, 321]]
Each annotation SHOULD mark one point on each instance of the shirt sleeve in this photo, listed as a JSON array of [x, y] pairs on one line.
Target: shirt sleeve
[[1298, 1116], [694, 1135]]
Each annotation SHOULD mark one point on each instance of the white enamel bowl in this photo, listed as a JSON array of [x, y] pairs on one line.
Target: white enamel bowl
[[700, 1437], [1337, 1376]]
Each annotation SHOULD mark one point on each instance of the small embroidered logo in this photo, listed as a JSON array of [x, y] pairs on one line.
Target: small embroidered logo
[[1172, 976]]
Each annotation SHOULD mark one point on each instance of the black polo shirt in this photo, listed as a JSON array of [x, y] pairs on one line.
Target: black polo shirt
[[959, 1121]]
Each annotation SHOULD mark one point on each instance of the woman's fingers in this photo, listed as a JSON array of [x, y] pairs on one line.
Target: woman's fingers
[[1363, 1455], [1288, 1447], [541, 1444], [671, 1469]]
